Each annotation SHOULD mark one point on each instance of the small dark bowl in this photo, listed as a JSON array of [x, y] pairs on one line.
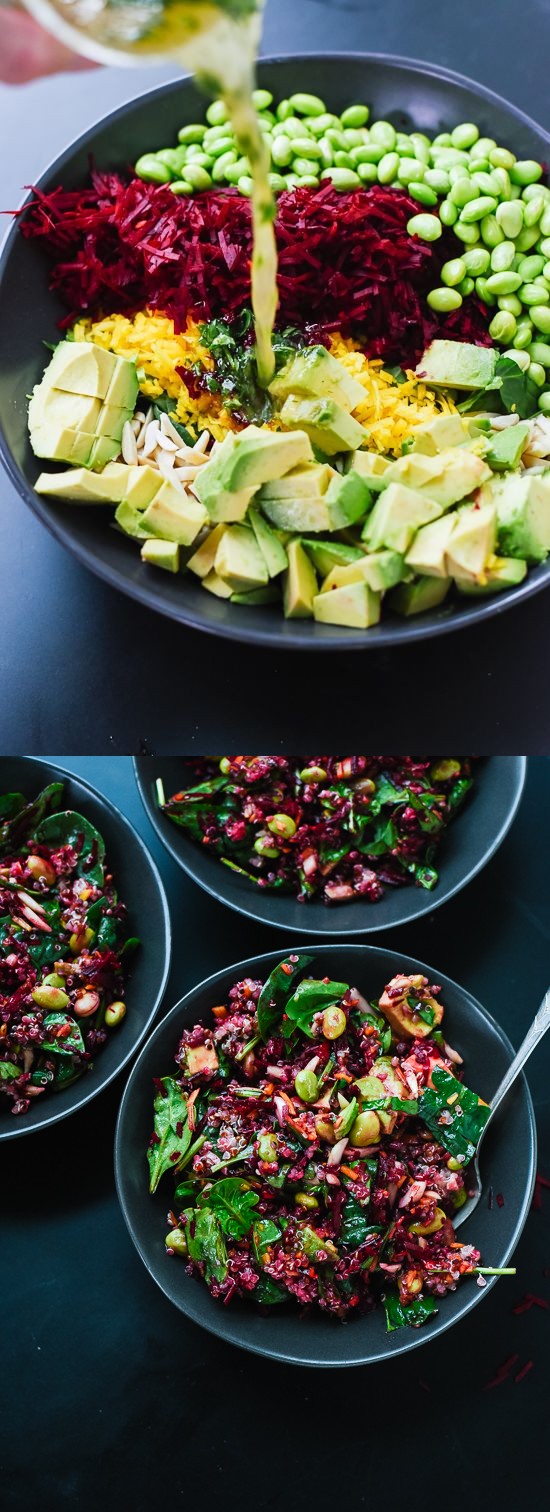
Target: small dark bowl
[[140, 887], [509, 1165], [409, 92], [472, 838]]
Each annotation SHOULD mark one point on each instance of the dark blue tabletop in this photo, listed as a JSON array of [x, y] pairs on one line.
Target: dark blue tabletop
[[112, 1397], [82, 662]]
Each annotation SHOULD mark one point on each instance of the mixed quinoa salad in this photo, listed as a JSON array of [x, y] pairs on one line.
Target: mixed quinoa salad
[[327, 827], [63, 947], [401, 451], [320, 1147]]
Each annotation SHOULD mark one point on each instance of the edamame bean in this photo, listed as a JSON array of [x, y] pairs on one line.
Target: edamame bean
[[308, 166], [458, 171], [511, 303], [354, 138], [281, 151], [467, 234], [501, 158], [527, 238], [534, 293], [372, 152], [485, 184], [427, 227], [50, 997], [319, 124], [462, 191], [171, 156], [368, 172], [410, 171], [403, 145], [197, 176], [343, 160], [355, 115], [465, 135], [277, 182], [387, 168], [196, 155], [216, 114], [502, 181], [490, 231], [306, 147], [420, 136], [483, 147], [532, 191], [437, 179], [283, 110], [214, 134], [510, 218], [484, 292], [219, 149], [503, 256], [443, 140], [525, 172], [444, 299], [422, 193], [479, 209], [115, 1013], [537, 373], [449, 157], [521, 358], [292, 127], [466, 287], [453, 272], [305, 181], [181, 186], [544, 403], [503, 327], [234, 171], [307, 104], [262, 98], [530, 267], [546, 272], [544, 248], [327, 154], [383, 134], [504, 283], [152, 170], [244, 184], [524, 334], [342, 178], [477, 261], [191, 133], [534, 209], [306, 1085], [448, 213], [219, 168]]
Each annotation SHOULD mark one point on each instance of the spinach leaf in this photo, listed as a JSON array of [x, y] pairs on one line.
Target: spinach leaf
[[309, 998], [268, 1293], [43, 952], [510, 390], [71, 1043], [264, 1234], [19, 824], [463, 1113], [233, 1203], [383, 1029], [69, 828], [355, 1223], [206, 1243], [403, 1314], [67, 1070], [10, 805], [276, 991], [9, 1072], [164, 405], [173, 1135]]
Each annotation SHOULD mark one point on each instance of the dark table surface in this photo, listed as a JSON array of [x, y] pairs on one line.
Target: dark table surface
[[110, 1391], [110, 675]]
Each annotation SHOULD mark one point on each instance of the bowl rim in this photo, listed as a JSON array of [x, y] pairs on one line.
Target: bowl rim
[[424, 903], [150, 594], [418, 1337], [116, 815]]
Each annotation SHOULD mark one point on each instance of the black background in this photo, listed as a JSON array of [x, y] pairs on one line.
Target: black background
[[112, 676], [111, 1394]]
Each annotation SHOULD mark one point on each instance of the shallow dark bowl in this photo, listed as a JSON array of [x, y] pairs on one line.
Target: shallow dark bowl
[[467, 846], [139, 886], [509, 1164], [409, 92]]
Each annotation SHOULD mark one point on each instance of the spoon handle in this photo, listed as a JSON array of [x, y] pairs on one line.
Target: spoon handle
[[539, 1026]]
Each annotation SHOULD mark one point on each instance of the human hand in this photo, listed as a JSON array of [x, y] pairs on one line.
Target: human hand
[[29, 52]]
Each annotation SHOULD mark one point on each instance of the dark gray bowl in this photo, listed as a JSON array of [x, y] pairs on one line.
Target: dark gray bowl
[[468, 845], [509, 1165], [139, 886], [409, 93]]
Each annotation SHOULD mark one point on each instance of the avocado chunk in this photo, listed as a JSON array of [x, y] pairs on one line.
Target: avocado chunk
[[130, 521], [173, 515], [304, 514], [397, 515], [457, 365], [438, 434], [523, 517], [226, 484], [373, 467], [507, 446], [397, 1007], [70, 446], [328, 554], [111, 421], [307, 481], [380, 570], [239, 560], [299, 583], [315, 372], [204, 557], [472, 540], [354, 605], [428, 553], [448, 477], [124, 387], [499, 573], [271, 548], [161, 554], [217, 586], [142, 485], [423, 593], [104, 449], [328, 426], [268, 595], [53, 410], [347, 499], [80, 486], [80, 367], [68, 418]]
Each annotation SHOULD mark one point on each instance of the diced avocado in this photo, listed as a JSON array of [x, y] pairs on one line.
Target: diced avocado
[[437, 434], [499, 572], [304, 514], [124, 387], [51, 409], [161, 554], [299, 583], [174, 516], [424, 593], [204, 557], [70, 446], [112, 420], [397, 515], [348, 499], [312, 478], [268, 595], [271, 548], [380, 570], [354, 605], [79, 486], [143, 483], [130, 521], [242, 463], [325, 422], [80, 367], [446, 478], [200, 1059], [328, 554], [216, 585], [457, 365], [315, 371], [103, 450], [239, 560], [472, 540], [507, 446], [523, 517], [373, 467], [427, 555]]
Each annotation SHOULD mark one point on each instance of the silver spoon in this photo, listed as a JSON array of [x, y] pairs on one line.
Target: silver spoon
[[539, 1026]]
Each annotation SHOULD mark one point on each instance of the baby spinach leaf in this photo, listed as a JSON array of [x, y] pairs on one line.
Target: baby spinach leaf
[[268, 1293], [69, 828], [411, 1314], [233, 1203], [173, 1135], [164, 405], [71, 1043], [264, 1234], [10, 805], [43, 952], [355, 1223], [206, 1244], [276, 991], [9, 1072], [310, 997], [67, 1070], [19, 822], [454, 1114]]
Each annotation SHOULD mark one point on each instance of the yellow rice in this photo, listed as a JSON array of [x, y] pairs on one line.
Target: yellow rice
[[391, 411]]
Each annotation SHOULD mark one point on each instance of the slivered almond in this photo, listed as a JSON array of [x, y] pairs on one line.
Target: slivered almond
[[166, 443], [165, 463], [129, 446], [151, 438], [202, 443], [168, 429], [186, 474]]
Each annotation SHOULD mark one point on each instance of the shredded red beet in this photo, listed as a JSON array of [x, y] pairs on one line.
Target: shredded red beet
[[346, 261]]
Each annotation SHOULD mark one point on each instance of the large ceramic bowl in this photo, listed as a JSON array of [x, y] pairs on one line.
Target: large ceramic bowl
[[410, 93], [467, 846], [508, 1164], [140, 887]]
